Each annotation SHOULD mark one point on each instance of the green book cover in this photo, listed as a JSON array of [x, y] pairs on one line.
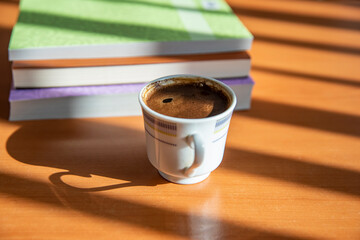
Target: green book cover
[[60, 29]]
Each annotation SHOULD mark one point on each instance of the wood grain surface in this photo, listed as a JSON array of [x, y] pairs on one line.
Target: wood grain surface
[[291, 168]]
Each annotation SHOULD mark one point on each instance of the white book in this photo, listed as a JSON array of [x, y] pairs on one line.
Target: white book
[[65, 73]]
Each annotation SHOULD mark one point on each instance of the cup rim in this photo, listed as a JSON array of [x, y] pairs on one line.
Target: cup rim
[[188, 120]]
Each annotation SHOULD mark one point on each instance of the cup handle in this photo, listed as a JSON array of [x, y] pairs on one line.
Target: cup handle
[[195, 141]]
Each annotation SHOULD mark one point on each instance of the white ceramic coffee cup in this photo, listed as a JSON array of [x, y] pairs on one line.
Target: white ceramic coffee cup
[[186, 151]]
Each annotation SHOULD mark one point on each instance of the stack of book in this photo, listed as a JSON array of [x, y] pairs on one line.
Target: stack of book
[[90, 58]]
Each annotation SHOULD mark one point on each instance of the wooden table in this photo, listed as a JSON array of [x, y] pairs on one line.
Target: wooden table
[[291, 168]]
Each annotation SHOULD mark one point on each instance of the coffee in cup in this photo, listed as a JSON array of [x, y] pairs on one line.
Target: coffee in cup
[[187, 98], [186, 120]]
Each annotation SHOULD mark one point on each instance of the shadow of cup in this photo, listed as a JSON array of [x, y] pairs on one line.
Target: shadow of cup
[[83, 149]]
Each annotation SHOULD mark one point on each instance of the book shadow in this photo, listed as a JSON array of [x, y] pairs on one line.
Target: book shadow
[[83, 149]]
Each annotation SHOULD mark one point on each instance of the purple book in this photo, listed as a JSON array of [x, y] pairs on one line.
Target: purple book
[[96, 101]]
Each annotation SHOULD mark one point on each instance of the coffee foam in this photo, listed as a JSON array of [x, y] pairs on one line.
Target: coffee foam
[[186, 80], [195, 105]]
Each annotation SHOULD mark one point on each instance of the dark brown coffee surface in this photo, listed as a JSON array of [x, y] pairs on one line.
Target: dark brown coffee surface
[[187, 100]]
